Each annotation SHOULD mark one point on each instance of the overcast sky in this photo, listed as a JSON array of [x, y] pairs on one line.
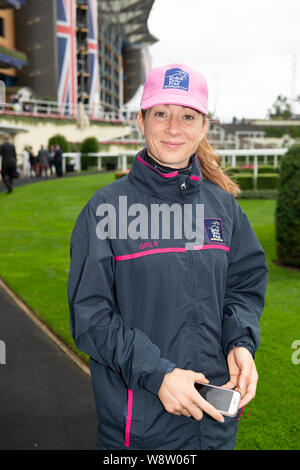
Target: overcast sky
[[244, 48]]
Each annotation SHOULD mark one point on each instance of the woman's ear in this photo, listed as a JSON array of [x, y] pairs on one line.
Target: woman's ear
[[141, 123]]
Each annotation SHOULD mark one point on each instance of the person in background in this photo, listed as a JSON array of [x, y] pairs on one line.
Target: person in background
[[58, 160], [8, 164], [26, 162], [32, 160], [26, 107], [43, 161], [51, 155]]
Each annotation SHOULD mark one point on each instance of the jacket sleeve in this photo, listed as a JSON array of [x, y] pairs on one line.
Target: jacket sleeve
[[96, 324], [245, 285]]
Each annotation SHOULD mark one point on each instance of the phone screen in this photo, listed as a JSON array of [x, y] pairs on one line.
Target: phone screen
[[220, 399]]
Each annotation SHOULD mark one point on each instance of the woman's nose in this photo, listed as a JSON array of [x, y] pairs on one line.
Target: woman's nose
[[173, 125]]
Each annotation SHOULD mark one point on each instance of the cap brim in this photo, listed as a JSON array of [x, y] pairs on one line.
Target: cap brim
[[178, 100]]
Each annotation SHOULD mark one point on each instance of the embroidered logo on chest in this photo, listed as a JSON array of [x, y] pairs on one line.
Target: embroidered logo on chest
[[214, 230]]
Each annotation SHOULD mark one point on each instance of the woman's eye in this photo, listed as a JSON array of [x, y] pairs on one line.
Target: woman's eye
[[160, 114], [188, 117]]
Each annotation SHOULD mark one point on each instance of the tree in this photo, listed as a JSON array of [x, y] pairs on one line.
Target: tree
[[287, 214], [89, 145], [281, 108], [61, 140]]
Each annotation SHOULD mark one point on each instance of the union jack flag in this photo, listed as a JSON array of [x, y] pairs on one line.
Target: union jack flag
[[93, 62], [67, 57]]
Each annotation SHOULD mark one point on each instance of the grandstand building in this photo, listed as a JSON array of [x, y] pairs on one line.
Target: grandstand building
[[11, 59], [93, 51]]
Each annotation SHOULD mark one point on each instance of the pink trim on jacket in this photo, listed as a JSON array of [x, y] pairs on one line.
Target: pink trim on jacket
[[128, 418], [196, 178], [241, 413], [165, 175], [170, 175], [207, 247], [169, 250]]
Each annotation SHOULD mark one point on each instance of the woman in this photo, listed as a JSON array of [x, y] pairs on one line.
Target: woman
[[51, 154], [155, 311]]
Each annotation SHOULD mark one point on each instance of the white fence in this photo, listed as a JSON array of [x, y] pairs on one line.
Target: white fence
[[231, 155], [121, 162], [45, 108], [228, 157]]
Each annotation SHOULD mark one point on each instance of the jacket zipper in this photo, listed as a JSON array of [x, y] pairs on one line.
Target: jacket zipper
[[198, 423], [182, 188], [128, 418]]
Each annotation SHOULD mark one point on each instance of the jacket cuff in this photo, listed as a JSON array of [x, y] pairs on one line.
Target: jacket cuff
[[152, 382], [244, 342]]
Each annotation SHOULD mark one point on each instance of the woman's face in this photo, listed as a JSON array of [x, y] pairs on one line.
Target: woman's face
[[172, 133]]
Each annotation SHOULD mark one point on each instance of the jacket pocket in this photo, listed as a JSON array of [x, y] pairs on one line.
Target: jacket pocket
[[111, 397], [215, 435]]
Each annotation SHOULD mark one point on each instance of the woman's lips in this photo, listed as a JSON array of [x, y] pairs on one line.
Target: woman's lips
[[173, 145]]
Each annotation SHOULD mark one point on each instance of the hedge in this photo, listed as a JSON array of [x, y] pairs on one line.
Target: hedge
[[265, 181], [240, 160], [89, 145], [261, 169], [280, 131], [258, 194], [61, 140], [287, 213]]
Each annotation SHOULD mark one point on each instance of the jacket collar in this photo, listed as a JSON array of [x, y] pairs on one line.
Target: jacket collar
[[174, 185]]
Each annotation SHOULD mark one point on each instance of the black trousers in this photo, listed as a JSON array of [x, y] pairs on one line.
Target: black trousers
[[7, 176], [58, 167]]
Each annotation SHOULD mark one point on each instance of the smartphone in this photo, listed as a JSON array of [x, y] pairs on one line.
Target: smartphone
[[224, 400]]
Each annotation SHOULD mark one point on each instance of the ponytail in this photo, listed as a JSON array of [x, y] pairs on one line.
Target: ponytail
[[211, 168]]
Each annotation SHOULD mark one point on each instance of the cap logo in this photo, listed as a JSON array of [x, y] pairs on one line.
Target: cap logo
[[176, 78]]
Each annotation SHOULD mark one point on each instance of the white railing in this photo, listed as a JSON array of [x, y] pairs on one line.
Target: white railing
[[45, 108], [229, 155], [247, 154], [121, 162]]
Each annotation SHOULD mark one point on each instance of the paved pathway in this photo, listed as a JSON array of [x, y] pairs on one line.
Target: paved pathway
[[46, 401]]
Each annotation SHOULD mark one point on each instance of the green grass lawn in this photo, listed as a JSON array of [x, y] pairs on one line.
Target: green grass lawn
[[35, 228]]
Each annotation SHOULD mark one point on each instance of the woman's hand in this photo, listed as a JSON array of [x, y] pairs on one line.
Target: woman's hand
[[180, 397], [243, 374]]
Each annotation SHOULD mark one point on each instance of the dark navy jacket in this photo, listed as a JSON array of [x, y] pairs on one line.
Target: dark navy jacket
[[138, 305]]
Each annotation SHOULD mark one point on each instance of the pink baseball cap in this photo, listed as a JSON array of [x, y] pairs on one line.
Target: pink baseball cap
[[176, 84]]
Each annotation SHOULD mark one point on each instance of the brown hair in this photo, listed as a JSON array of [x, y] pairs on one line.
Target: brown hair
[[211, 165]]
